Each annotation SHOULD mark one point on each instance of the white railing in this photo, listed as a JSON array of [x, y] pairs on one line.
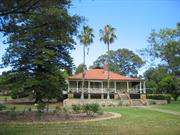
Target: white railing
[[104, 90], [92, 90]]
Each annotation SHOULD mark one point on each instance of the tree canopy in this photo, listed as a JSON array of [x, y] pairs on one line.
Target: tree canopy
[[165, 45], [122, 61], [39, 45], [80, 68]]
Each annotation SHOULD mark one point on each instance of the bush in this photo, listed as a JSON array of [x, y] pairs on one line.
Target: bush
[[76, 108], [95, 108], [40, 107], [160, 97], [5, 99], [13, 112], [120, 103], [2, 107], [23, 112], [57, 109], [90, 109], [29, 109]]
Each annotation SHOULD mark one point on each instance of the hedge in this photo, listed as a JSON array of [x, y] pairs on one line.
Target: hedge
[[159, 97]]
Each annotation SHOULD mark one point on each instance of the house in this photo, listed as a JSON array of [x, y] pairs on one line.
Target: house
[[96, 85]]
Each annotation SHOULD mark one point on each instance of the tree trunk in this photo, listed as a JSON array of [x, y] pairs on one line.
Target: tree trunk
[[47, 107], [83, 75], [108, 88]]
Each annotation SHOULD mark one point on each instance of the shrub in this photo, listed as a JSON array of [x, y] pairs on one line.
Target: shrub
[[76, 108], [29, 109], [65, 109], [5, 99], [95, 107], [23, 112], [13, 113], [160, 97], [57, 109], [90, 109], [2, 107], [40, 107], [120, 103]]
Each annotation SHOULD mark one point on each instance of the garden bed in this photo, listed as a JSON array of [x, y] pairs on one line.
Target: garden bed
[[50, 117]]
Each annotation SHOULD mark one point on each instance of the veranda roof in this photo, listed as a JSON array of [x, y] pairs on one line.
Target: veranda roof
[[101, 74]]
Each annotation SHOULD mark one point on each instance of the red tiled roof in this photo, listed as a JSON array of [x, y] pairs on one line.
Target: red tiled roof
[[101, 74]]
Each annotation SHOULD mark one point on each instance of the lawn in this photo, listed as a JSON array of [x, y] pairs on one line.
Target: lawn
[[134, 121], [174, 106], [5, 97]]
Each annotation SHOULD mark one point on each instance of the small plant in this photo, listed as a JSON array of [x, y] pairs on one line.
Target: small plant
[[23, 112], [2, 107], [40, 107], [76, 108], [13, 113], [29, 109], [66, 111], [5, 99], [57, 109], [120, 103]]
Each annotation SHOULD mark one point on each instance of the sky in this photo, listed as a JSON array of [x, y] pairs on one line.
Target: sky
[[133, 20]]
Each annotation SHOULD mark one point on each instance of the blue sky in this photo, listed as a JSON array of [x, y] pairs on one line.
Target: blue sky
[[133, 20]]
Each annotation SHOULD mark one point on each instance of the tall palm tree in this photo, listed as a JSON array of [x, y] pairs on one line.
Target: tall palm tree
[[86, 38], [108, 36]]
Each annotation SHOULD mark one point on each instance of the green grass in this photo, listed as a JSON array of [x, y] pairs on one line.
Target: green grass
[[174, 106], [20, 107], [3, 97], [134, 121]]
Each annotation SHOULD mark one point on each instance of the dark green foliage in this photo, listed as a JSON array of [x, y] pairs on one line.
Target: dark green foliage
[[39, 43], [153, 77], [40, 107], [122, 61], [90, 109], [5, 99], [29, 109], [165, 46], [58, 109], [2, 107], [160, 97], [13, 114], [77, 108], [80, 69]]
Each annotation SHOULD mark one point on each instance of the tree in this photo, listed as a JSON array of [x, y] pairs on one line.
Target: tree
[[160, 81], [108, 36], [86, 38], [122, 61], [165, 45], [38, 56], [80, 69]]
